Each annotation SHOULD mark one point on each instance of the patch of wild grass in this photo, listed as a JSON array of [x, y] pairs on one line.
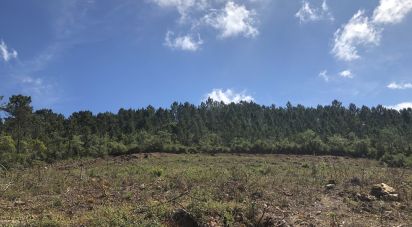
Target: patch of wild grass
[[228, 188]]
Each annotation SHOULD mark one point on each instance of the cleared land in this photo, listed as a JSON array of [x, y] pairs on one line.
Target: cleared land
[[233, 190]]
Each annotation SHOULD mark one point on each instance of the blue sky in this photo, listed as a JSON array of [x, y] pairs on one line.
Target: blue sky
[[101, 55]]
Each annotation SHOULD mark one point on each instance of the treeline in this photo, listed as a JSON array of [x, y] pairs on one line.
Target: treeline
[[28, 136]]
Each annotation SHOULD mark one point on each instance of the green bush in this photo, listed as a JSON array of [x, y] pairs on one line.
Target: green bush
[[7, 144], [157, 172], [116, 148], [38, 149], [408, 161], [394, 160]]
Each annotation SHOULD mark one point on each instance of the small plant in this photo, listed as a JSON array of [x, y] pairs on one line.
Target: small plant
[[333, 219], [252, 210], [157, 172], [127, 195], [57, 202]]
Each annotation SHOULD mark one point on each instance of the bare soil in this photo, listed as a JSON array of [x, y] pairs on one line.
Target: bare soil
[[161, 189]]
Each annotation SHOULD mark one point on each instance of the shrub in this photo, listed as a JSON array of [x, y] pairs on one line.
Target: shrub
[[38, 149], [394, 160], [157, 172], [408, 161], [7, 144], [116, 148]]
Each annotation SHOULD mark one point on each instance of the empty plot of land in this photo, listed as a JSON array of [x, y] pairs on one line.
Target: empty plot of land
[[203, 190]]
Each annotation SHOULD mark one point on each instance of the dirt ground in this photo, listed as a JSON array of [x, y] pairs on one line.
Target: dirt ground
[[160, 189]]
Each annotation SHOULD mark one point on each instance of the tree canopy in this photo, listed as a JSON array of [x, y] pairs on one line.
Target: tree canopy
[[377, 132]]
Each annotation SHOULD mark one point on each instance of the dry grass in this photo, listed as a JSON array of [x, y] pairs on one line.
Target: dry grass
[[231, 190]]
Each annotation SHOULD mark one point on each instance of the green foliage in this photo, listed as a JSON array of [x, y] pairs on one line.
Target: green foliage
[[338, 144], [309, 142], [38, 149], [210, 143], [211, 127], [395, 160], [7, 144], [240, 145], [157, 172], [363, 148], [19, 118], [116, 148], [75, 146], [110, 216], [408, 162]]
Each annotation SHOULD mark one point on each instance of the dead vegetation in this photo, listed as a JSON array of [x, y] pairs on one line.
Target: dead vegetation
[[202, 190]]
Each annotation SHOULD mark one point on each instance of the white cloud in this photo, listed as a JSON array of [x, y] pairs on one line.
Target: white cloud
[[401, 106], [30, 80], [6, 53], [182, 6], [308, 13], [35, 86], [228, 96], [187, 42], [179, 4], [358, 31], [361, 30], [391, 11], [41, 91], [325, 6], [399, 86], [324, 75], [229, 17], [233, 20], [346, 74]]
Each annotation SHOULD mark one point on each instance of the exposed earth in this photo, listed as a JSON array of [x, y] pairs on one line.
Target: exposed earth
[[160, 189]]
